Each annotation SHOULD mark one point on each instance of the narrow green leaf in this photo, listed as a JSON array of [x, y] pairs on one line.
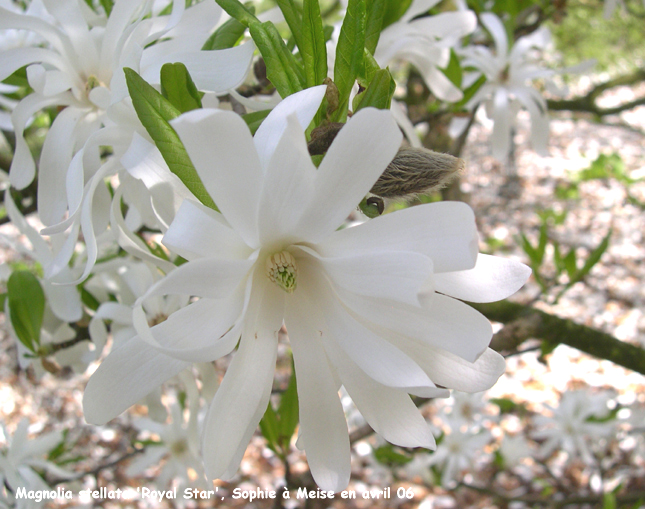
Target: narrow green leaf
[[349, 62], [288, 411], [226, 36], [379, 92], [530, 251], [374, 24], [238, 11], [594, 257], [470, 92], [155, 111], [312, 47], [282, 68], [26, 307], [541, 247], [569, 261], [269, 429], [178, 87], [293, 19], [3, 300], [88, 299]]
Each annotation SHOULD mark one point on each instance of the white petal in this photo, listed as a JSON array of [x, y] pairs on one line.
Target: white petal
[[54, 163], [378, 358], [501, 138], [418, 7], [118, 21], [454, 372], [355, 160], [201, 332], [322, 420], [440, 85], [221, 148], [213, 71], [444, 231], [243, 396], [397, 275], [447, 24], [198, 231], [497, 30], [390, 412], [15, 58], [304, 104], [446, 323], [206, 277], [23, 168], [288, 187], [125, 376], [492, 279]]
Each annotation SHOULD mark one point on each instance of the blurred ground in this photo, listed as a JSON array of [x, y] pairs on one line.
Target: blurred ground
[[505, 199]]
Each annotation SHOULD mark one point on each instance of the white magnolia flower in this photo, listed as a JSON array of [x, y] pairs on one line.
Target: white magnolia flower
[[464, 409], [456, 453], [21, 459], [80, 71], [425, 42], [366, 307], [572, 428], [508, 85], [179, 449]]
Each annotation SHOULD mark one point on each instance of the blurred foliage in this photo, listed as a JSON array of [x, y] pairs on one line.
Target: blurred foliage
[[618, 43]]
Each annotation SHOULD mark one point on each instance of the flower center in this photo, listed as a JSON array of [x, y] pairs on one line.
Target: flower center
[[281, 269], [91, 83]]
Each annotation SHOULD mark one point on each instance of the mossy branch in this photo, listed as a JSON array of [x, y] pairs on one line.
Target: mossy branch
[[587, 103], [526, 322]]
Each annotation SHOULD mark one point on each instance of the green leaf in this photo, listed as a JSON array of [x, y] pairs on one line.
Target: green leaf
[[541, 248], [349, 54], [226, 36], [178, 87], [379, 92], [594, 258], [453, 70], [155, 111], [312, 47], [255, 119], [394, 9], [282, 68], [238, 11], [26, 307], [88, 299], [107, 5], [391, 455], [470, 92], [288, 411], [269, 429], [530, 251], [374, 23], [293, 19], [569, 262], [369, 69], [3, 300], [609, 501]]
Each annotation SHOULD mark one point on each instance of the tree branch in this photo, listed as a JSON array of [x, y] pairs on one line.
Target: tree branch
[[527, 322]]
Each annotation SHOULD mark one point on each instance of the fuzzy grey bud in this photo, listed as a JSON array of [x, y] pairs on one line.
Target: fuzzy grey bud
[[416, 171]]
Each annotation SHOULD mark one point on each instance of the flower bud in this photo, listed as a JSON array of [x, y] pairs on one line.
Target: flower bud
[[416, 171]]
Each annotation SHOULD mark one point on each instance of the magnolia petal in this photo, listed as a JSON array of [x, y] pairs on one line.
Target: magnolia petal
[[502, 132], [23, 168], [446, 323], [539, 118], [322, 420], [125, 376], [243, 396], [288, 186], [358, 156], [207, 277], [214, 71], [453, 372], [455, 24], [418, 7], [118, 21], [492, 279], [440, 85], [200, 332], [444, 231], [200, 232], [378, 358], [231, 177], [304, 104], [397, 275], [55, 159], [15, 58], [498, 32], [390, 412]]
